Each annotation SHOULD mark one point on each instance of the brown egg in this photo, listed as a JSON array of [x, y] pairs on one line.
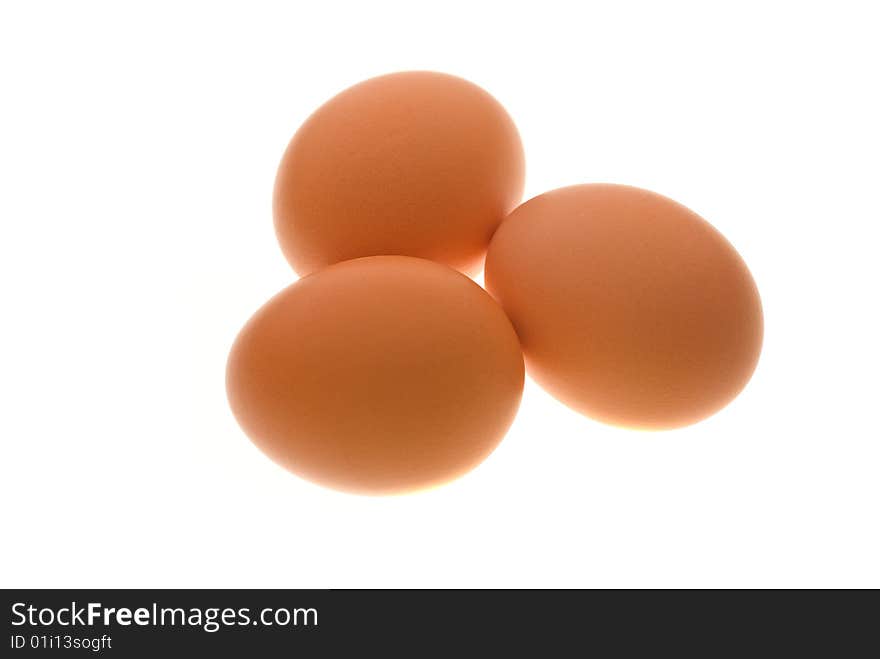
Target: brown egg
[[415, 163], [378, 375], [630, 308]]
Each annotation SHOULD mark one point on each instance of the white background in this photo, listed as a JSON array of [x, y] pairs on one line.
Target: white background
[[138, 145]]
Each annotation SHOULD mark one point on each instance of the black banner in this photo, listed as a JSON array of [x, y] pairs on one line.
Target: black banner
[[135, 623]]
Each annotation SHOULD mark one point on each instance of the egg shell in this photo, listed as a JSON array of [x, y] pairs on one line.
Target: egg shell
[[414, 163], [378, 375], [630, 308]]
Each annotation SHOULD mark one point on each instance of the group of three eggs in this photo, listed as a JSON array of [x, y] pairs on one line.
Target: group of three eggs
[[385, 368]]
